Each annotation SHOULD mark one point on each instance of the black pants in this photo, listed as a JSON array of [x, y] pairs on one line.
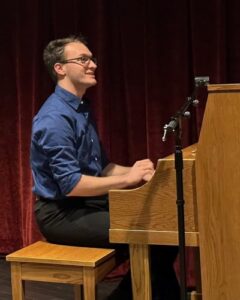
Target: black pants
[[84, 223]]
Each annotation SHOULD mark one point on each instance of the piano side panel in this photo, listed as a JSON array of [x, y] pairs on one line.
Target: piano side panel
[[218, 194]]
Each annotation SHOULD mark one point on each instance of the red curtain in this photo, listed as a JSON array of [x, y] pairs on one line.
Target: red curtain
[[148, 52]]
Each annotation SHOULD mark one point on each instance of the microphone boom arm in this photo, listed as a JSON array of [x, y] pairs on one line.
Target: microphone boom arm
[[183, 111]]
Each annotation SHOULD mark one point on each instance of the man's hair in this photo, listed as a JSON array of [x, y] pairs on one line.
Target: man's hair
[[54, 52]]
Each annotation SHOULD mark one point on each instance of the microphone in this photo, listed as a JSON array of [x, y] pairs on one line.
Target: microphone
[[170, 127]]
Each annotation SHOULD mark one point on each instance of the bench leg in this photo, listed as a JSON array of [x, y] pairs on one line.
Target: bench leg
[[78, 292], [89, 284], [17, 283]]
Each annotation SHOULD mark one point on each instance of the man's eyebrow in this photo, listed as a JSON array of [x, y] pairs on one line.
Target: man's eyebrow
[[85, 54]]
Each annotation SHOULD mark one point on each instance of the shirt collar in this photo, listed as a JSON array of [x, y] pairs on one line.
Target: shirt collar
[[77, 103]]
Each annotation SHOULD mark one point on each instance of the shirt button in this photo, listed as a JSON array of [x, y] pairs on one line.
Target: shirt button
[[91, 140], [81, 102], [95, 158]]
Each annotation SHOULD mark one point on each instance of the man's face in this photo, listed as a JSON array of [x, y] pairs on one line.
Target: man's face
[[78, 65]]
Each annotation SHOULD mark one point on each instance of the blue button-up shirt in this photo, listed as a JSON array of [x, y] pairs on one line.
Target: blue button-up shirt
[[64, 145]]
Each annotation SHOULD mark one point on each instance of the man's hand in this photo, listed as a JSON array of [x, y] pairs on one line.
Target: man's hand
[[141, 170]]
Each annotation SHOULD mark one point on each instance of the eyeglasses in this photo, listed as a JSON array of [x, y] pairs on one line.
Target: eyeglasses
[[83, 60]]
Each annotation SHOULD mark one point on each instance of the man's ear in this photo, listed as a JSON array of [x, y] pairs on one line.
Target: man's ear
[[59, 69]]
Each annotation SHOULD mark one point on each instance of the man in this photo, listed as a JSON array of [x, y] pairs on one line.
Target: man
[[71, 173]]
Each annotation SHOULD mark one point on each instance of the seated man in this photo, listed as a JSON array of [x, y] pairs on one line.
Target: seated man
[[71, 173]]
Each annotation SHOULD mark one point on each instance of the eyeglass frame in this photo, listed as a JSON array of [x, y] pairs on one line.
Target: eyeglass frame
[[77, 60]]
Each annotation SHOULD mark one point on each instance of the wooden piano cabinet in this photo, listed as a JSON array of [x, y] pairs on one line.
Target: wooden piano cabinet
[[148, 215]]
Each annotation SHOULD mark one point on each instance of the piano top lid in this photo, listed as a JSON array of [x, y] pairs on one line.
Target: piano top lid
[[223, 87]]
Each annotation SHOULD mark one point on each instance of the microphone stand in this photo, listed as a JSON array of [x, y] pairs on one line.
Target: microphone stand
[[175, 125]]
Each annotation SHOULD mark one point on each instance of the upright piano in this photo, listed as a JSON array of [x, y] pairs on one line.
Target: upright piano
[[211, 177]]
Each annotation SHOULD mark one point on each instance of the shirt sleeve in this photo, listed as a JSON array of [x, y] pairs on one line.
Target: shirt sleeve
[[56, 139]]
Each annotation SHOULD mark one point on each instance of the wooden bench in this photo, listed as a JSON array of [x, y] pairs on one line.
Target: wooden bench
[[79, 266]]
